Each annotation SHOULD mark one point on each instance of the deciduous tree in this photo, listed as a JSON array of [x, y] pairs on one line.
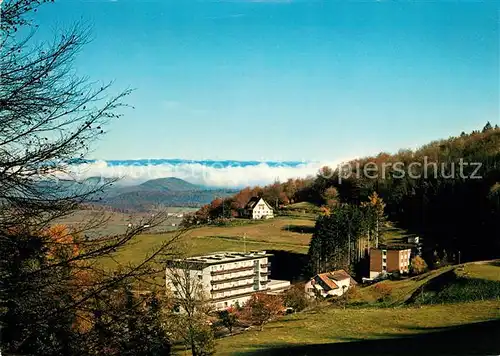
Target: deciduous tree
[[192, 324], [50, 115], [228, 318], [262, 308]]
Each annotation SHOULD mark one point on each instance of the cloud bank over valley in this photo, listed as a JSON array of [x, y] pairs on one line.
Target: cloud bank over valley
[[231, 174]]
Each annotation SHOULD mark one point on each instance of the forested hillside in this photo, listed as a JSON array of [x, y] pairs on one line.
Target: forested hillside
[[448, 192], [456, 207]]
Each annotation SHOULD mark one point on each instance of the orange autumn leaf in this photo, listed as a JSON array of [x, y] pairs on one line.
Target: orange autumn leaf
[[63, 244]]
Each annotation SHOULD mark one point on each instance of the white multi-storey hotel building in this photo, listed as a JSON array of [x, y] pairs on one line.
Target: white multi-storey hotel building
[[226, 278]]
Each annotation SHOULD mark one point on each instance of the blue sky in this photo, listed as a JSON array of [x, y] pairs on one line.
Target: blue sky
[[287, 80]]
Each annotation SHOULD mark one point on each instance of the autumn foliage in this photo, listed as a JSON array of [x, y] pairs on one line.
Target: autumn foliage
[[262, 308], [418, 265], [61, 244], [383, 291], [276, 194]]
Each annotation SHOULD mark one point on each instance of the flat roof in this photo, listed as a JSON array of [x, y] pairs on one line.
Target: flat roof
[[277, 283], [224, 257], [399, 247]]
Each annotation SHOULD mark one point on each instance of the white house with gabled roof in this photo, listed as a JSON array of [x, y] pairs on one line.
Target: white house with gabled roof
[[258, 208]]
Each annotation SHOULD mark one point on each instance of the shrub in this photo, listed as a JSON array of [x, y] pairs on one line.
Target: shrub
[[296, 298], [383, 291], [418, 265], [228, 318]]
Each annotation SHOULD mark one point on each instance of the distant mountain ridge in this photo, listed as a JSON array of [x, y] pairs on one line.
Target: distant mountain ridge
[[169, 191], [170, 184], [166, 192]]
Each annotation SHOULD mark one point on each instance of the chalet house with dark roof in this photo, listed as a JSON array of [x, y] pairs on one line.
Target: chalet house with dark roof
[[258, 208]]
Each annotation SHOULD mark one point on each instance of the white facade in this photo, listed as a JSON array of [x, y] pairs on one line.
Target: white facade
[[328, 284], [226, 278], [259, 209]]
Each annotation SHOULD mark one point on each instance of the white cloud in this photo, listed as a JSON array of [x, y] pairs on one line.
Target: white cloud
[[214, 174]]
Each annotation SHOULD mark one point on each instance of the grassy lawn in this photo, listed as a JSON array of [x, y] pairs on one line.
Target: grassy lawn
[[277, 234], [485, 270], [396, 236], [303, 206], [279, 230], [403, 289], [327, 326], [400, 290]]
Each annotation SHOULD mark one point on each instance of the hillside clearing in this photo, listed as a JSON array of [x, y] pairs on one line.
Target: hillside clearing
[[489, 270], [321, 330], [402, 290], [284, 234], [329, 326]]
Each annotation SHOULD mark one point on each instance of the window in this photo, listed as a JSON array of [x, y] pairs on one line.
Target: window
[[384, 268], [200, 276]]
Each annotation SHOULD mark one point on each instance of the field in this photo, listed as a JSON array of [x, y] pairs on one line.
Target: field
[[472, 281], [286, 234], [400, 325], [396, 236], [400, 290], [116, 222], [436, 329]]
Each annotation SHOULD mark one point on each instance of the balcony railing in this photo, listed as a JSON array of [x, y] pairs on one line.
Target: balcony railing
[[241, 286], [233, 270], [229, 297], [234, 279]]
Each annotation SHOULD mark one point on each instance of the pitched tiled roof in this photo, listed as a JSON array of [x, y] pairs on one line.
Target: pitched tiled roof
[[328, 281], [329, 278], [252, 202], [339, 275]]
